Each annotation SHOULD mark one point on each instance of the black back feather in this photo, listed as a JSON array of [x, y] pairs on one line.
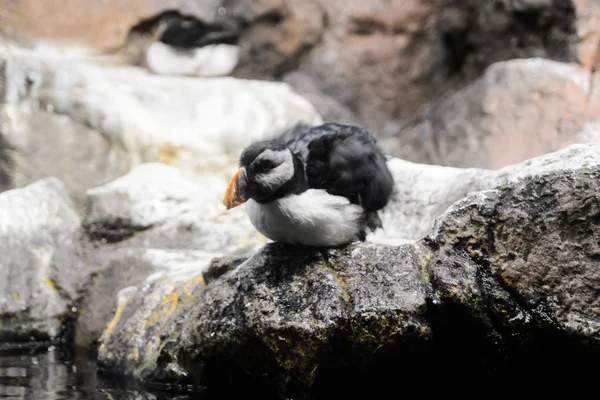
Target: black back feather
[[344, 160], [188, 33]]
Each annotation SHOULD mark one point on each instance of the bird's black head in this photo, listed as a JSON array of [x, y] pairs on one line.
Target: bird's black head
[[268, 171]]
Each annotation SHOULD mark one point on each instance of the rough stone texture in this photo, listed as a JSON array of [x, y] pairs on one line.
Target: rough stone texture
[[278, 34], [519, 266], [588, 32], [505, 282], [292, 311], [37, 222], [154, 220], [221, 265], [109, 118], [386, 60], [158, 206], [147, 316], [352, 59], [121, 268], [518, 110], [423, 192]]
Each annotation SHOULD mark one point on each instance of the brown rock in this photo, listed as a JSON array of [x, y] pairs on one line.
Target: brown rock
[[387, 60], [278, 34], [518, 110]]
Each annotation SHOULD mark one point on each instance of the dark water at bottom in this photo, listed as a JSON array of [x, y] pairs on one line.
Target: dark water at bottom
[[51, 376]]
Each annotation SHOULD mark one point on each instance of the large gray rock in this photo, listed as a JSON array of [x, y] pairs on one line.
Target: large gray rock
[[120, 274], [517, 110], [158, 206], [505, 281], [423, 192], [109, 117], [38, 225], [154, 221]]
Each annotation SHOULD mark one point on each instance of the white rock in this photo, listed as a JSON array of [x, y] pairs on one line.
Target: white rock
[[171, 209], [131, 116], [424, 192], [36, 223]]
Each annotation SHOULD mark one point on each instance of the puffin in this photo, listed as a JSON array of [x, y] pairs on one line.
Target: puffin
[[313, 186], [188, 46]]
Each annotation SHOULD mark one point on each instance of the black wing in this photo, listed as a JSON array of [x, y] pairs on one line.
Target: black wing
[[345, 160]]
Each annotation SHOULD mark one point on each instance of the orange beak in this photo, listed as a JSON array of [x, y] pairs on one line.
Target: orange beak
[[232, 196]]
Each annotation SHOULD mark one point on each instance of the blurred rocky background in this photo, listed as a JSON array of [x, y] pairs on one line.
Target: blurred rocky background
[[121, 122]]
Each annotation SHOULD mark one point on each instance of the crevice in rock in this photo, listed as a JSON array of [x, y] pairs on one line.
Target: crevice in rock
[[6, 159], [7, 164], [112, 230], [476, 34], [364, 26], [592, 80], [346, 298]]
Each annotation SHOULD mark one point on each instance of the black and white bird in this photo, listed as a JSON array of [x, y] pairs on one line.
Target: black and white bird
[[188, 46], [314, 186]]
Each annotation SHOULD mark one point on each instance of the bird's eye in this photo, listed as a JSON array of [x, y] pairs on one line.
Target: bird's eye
[[264, 165]]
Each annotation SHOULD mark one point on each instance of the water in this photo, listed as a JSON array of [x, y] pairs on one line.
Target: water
[[53, 376]]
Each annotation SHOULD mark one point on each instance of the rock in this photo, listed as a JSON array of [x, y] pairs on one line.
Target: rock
[[588, 21], [38, 223], [154, 305], [154, 221], [279, 33], [123, 270], [110, 118], [518, 110], [387, 61], [504, 282], [158, 206], [519, 266], [221, 265], [424, 192]]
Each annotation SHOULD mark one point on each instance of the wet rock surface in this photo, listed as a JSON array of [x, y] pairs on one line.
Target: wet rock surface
[[158, 206], [487, 271], [39, 225], [504, 282], [156, 221]]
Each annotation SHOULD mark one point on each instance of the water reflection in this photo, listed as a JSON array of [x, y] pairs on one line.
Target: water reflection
[[51, 376]]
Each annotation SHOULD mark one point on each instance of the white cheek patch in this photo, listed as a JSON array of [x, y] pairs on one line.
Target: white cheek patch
[[279, 175]]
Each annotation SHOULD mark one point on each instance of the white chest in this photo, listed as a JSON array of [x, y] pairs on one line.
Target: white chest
[[312, 218]]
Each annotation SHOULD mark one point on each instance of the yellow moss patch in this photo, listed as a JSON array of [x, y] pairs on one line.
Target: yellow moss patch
[[173, 299], [50, 284], [192, 282], [116, 318], [16, 296], [168, 153], [153, 318]]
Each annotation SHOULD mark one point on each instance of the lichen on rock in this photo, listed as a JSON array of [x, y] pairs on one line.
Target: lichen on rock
[[489, 292]]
